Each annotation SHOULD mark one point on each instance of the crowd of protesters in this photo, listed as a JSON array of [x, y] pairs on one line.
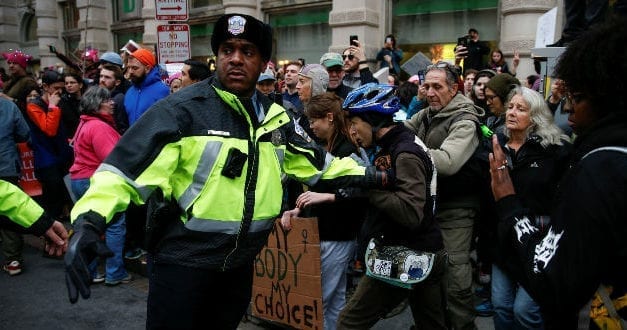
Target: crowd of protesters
[[508, 161]]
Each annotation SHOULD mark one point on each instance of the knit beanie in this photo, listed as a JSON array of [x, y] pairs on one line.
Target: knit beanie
[[17, 56], [502, 84], [145, 57], [319, 78], [243, 27], [111, 57]]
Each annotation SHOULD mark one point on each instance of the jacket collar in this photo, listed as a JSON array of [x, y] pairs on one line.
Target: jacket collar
[[459, 103]]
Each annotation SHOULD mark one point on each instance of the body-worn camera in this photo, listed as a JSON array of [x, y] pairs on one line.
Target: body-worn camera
[[234, 163]]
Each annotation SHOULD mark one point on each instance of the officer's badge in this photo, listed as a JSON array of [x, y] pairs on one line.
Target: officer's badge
[[236, 25], [277, 138]]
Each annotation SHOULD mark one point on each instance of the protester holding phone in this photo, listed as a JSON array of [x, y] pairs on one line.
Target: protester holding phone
[[355, 66], [471, 50], [390, 56]]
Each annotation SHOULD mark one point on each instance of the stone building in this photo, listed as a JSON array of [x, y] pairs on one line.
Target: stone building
[[302, 28]]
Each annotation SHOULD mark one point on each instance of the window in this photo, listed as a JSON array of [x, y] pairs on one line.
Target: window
[[433, 26], [204, 3], [31, 28], [70, 15], [301, 35]]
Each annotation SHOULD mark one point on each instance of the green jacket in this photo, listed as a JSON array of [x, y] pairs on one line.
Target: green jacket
[[181, 146], [22, 210], [452, 137]]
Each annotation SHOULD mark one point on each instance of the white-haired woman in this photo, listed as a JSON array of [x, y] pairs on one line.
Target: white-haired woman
[[536, 152]]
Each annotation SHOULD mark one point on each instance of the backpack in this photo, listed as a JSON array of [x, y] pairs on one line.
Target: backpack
[[473, 175]]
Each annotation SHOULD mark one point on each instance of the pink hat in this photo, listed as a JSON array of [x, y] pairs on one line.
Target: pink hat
[[176, 75], [17, 57], [90, 54], [413, 79]]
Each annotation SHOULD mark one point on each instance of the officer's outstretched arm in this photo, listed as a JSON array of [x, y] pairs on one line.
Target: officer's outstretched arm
[[85, 246]]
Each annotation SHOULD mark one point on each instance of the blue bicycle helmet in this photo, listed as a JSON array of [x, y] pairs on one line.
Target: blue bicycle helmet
[[372, 98]]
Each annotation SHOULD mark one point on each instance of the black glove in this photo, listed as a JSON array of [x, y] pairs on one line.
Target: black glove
[[379, 179], [85, 246]]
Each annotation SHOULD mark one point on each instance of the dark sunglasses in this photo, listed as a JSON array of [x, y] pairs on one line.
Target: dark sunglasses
[[350, 57]]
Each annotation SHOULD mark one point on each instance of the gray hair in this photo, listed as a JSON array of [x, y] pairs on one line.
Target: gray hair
[[452, 76], [91, 100], [542, 124]]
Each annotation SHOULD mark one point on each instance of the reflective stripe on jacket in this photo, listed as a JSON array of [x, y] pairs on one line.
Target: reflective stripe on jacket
[[181, 146]]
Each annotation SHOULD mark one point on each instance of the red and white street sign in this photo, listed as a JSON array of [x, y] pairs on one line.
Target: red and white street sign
[[173, 43], [171, 10]]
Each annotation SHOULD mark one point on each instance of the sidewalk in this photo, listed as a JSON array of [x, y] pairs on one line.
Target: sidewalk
[[107, 301]]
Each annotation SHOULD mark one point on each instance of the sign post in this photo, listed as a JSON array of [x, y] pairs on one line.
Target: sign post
[[171, 10], [173, 43]]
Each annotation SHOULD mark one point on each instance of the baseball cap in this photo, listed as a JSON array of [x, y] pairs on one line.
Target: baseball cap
[[266, 75], [51, 77], [331, 59]]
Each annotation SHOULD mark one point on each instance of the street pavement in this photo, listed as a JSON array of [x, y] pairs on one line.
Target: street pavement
[[37, 299]]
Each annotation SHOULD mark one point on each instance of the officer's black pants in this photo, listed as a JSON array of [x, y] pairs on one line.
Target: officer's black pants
[[191, 298]]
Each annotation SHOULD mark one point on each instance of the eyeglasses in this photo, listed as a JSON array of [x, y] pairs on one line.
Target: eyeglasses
[[444, 65], [350, 57], [575, 98], [490, 97]]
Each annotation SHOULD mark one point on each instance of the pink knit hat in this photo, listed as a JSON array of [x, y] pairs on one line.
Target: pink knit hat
[[17, 57]]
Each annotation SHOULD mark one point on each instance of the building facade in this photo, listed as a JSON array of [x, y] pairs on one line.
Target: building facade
[[302, 28]]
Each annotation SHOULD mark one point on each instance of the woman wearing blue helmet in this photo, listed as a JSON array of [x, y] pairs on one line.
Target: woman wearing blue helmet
[[402, 215]]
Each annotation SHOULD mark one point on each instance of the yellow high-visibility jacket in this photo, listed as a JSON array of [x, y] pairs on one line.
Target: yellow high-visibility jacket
[[181, 146], [22, 210]]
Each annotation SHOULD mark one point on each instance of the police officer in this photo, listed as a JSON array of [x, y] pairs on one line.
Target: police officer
[[27, 216], [214, 153]]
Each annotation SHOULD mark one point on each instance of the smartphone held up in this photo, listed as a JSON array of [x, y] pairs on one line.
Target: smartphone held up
[[353, 40]]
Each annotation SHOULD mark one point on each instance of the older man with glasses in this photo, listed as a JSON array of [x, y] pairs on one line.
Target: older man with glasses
[[449, 129], [334, 63]]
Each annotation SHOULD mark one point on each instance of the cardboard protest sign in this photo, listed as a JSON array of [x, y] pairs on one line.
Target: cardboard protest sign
[[28, 182], [286, 283], [416, 63]]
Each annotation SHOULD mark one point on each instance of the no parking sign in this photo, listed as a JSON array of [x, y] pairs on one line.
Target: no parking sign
[[173, 43]]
